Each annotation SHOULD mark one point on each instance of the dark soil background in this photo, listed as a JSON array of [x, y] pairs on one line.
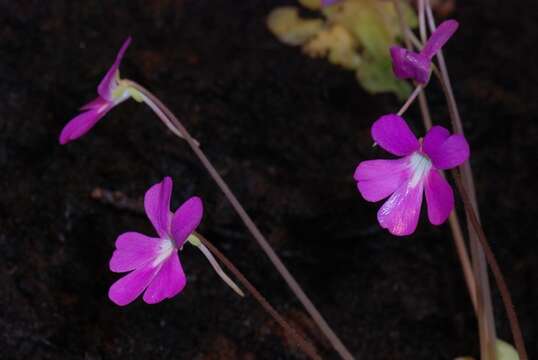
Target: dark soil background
[[286, 132]]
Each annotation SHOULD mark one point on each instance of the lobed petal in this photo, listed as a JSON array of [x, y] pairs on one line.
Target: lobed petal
[[377, 179], [81, 124], [392, 134], [108, 83], [445, 151], [129, 287], [168, 282], [186, 219], [133, 250], [157, 206], [400, 213], [435, 137], [439, 38], [439, 198], [410, 65]]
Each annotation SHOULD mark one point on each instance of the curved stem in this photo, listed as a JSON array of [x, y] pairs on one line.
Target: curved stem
[[307, 347], [252, 228], [495, 269], [215, 265]]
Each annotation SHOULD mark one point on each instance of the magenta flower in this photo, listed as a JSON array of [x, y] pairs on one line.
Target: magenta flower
[[417, 66], [154, 262], [405, 179], [111, 92]]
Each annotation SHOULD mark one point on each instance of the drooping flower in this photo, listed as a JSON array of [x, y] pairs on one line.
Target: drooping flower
[[407, 64], [111, 92], [153, 262], [417, 171]]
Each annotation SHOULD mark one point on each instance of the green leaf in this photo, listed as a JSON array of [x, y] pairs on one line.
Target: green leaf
[[376, 76], [505, 351], [285, 23]]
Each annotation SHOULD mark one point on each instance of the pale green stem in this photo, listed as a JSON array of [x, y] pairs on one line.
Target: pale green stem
[[209, 256]]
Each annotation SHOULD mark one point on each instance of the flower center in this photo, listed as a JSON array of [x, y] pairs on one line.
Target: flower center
[[120, 93], [420, 165], [165, 250]]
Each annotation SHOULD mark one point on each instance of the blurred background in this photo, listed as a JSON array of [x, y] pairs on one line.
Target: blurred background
[[286, 131]]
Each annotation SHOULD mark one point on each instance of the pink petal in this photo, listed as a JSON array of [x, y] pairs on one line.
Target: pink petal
[[96, 103], [168, 282], [400, 213], [445, 152], [434, 138], [107, 85], [392, 134], [377, 179], [81, 124], [157, 206], [410, 65], [439, 198], [186, 219], [132, 251], [129, 287], [439, 38]]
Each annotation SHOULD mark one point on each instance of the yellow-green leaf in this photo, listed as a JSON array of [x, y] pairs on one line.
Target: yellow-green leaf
[[285, 23], [505, 351]]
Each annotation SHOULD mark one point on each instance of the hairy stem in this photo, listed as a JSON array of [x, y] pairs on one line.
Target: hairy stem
[[495, 269], [486, 320], [252, 228], [305, 346]]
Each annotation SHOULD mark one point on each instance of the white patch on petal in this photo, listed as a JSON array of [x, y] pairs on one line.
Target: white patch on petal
[[166, 248], [102, 108], [420, 166]]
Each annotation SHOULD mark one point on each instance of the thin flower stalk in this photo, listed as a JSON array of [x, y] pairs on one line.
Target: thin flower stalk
[[409, 101], [455, 227], [337, 344], [113, 90], [495, 269], [209, 256], [486, 320], [305, 346]]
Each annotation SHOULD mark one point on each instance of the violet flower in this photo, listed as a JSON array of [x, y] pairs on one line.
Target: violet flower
[[407, 64], [154, 261], [111, 92], [405, 179]]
